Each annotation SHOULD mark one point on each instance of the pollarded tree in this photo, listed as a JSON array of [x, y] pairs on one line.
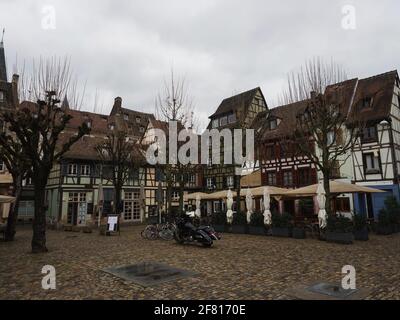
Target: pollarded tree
[[322, 132], [18, 166], [121, 159], [37, 128]]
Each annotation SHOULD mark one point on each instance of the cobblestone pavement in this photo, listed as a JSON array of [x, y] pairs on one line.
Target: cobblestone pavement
[[238, 267]]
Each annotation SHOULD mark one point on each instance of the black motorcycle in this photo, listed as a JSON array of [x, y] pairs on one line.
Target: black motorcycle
[[186, 232]]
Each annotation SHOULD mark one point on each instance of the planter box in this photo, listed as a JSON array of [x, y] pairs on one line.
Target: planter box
[[342, 238], [361, 235], [219, 227], [299, 233], [384, 230], [281, 232], [239, 229], [257, 230]]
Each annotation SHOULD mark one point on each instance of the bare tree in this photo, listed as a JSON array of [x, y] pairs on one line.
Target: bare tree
[[175, 104], [120, 157], [322, 133]]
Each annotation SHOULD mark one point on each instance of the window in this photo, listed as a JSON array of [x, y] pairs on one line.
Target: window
[[138, 119], [366, 103], [287, 178], [331, 138], [175, 196], [215, 123], [111, 127], [230, 182], [192, 179], [141, 129], [232, 118], [371, 163], [126, 117], [273, 124], [210, 183], [72, 169], [270, 152], [217, 207], [1, 166], [271, 178], [1, 96], [85, 170], [369, 134], [304, 177], [342, 204], [209, 163], [223, 121], [89, 124]]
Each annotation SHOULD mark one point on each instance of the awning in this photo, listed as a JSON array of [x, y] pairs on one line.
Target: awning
[[6, 199], [259, 192], [193, 196], [252, 180], [335, 187], [209, 196]]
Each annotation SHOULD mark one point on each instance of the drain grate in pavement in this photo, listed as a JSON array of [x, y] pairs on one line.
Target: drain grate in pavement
[[332, 290], [149, 274]]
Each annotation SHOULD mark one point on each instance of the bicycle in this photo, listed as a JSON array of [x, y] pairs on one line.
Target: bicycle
[[164, 231]]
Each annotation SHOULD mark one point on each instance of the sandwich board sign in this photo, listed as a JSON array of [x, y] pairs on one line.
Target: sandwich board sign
[[113, 224]]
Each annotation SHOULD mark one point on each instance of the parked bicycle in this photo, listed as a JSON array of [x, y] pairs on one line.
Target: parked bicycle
[[156, 231]]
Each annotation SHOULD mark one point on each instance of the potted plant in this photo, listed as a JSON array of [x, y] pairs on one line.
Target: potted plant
[[257, 226], [281, 225], [299, 231], [239, 224], [393, 208], [219, 221], [339, 229], [384, 225], [360, 227]]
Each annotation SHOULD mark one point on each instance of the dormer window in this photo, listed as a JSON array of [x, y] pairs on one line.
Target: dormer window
[[126, 117], [273, 124], [366, 103], [215, 123], [232, 118], [138, 119], [89, 124], [111, 127], [141, 129], [223, 121]]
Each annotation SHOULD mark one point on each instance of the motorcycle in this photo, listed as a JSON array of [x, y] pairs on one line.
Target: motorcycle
[[186, 232]]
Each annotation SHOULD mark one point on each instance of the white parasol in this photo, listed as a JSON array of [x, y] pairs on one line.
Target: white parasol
[[198, 204], [267, 207], [229, 204], [321, 198], [249, 205]]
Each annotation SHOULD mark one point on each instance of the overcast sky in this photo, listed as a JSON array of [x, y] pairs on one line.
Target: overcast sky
[[222, 47]]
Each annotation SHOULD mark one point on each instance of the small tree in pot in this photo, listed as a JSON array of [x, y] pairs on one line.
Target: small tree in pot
[[299, 231], [384, 226], [219, 221], [257, 226], [360, 227], [281, 225], [239, 224], [393, 208], [340, 229]]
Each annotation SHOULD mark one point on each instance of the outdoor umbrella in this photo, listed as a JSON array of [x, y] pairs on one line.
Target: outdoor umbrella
[[259, 191], [321, 198], [6, 199], [335, 187], [267, 204], [100, 202], [229, 204], [193, 196], [249, 205], [219, 195], [198, 204]]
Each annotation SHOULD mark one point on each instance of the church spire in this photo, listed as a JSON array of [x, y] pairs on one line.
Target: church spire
[[3, 70]]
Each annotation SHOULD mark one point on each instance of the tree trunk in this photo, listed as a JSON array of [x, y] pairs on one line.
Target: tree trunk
[[13, 214], [328, 207], [118, 200], [39, 222]]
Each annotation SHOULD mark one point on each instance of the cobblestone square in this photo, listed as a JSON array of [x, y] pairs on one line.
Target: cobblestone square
[[237, 267]]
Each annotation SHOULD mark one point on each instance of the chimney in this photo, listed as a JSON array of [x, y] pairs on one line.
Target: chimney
[[117, 106], [14, 88]]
